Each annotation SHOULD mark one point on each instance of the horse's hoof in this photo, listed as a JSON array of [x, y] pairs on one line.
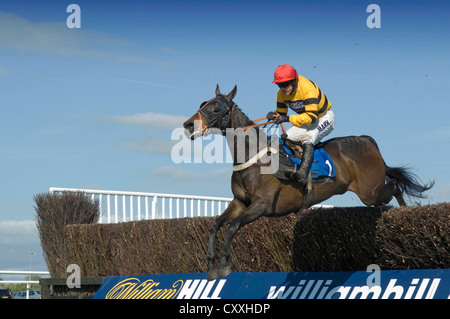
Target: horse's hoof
[[212, 275], [225, 271]]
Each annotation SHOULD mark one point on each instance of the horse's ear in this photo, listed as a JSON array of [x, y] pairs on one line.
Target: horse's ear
[[217, 90], [232, 94]]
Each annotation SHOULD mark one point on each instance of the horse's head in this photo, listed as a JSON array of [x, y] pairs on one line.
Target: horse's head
[[213, 114]]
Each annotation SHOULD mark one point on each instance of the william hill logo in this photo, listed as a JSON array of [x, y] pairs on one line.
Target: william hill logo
[[321, 289], [133, 288], [389, 284]]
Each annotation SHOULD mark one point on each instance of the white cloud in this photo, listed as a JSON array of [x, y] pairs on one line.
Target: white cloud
[[20, 247], [55, 38], [179, 172], [209, 149], [137, 59], [18, 232], [149, 144], [92, 186], [19, 34], [154, 122], [150, 120]]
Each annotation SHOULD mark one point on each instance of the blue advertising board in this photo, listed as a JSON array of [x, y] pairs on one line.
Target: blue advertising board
[[384, 284]]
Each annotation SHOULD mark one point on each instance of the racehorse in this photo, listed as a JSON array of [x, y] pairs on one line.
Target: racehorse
[[359, 167]]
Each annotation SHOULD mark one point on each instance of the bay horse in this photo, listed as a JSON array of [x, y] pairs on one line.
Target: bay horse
[[359, 167]]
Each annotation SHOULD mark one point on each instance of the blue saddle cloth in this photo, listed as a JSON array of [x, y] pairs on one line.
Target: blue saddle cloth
[[322, 165]]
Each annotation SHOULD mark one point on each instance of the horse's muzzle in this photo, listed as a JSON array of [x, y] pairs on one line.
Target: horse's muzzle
[[189, 130]]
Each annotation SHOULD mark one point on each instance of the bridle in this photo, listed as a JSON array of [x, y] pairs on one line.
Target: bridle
[[225, 117]]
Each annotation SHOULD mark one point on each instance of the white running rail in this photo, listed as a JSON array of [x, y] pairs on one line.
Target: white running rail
[[118, 206], [22, 273]]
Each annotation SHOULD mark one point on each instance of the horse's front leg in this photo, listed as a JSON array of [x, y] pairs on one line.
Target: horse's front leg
[[233, 210], [253, 212]]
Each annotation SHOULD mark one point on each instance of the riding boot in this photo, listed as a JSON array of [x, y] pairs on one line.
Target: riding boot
[[302, 175]]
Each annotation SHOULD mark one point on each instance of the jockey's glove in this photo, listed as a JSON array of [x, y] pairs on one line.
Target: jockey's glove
[[271, 116], [281, 118]]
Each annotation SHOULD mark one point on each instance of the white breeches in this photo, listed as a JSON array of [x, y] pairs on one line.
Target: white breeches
[[313, 133]]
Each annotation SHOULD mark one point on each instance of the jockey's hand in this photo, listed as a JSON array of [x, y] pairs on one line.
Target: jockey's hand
[[281, 118], [271, 116]]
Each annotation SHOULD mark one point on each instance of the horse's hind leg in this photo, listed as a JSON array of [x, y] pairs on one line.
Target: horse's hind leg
[[233, 210], [397, 192], [400, 199], [370, 173], [387, 192]]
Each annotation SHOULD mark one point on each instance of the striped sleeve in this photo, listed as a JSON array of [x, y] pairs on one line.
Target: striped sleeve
[[282, 108]]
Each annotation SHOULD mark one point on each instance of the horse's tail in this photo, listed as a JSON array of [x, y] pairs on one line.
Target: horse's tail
[[407, 182]]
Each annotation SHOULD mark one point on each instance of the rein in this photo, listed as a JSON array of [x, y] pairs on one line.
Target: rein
[[203, 127], [264, 123], [239, 167]]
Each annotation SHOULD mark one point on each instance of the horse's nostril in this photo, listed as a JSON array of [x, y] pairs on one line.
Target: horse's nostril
[[189, 129]]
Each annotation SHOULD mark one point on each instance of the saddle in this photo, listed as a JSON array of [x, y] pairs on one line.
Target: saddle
[[290, 154]]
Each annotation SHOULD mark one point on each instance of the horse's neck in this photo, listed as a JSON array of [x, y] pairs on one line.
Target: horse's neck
[[239, 119], [244, 144]]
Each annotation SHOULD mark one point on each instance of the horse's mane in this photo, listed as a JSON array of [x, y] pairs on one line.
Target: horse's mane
[[241, 118]]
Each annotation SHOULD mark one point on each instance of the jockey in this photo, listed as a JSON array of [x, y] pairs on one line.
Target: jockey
[[314, 119]]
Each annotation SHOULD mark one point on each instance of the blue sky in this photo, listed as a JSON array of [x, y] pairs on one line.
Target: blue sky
[[95, 107]]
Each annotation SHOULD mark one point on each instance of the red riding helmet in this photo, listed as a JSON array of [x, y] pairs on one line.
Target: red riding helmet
[[284, 73]]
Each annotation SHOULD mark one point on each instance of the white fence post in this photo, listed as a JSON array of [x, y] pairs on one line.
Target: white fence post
[[139, 207], [155, 207], [108, 204], [116, 209]]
